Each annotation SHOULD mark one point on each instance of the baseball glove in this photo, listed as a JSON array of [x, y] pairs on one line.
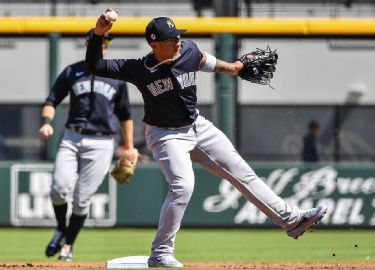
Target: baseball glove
[[259, 66], [124, 168]]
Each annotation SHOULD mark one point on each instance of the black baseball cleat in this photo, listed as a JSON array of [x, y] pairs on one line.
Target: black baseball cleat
[[55, 244], [309, 218]]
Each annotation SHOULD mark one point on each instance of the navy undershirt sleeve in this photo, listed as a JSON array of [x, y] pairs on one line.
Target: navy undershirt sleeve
[[60, 89], [122, 109], [120, 69], [94, 56]]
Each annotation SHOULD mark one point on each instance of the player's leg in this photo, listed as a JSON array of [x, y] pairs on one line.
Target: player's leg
[[64, 179], [171, 149], [216, 153], [95, 159], [96, 155]]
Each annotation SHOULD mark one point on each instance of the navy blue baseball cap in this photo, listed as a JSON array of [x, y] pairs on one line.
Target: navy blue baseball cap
[[91, 32], [162, 28]]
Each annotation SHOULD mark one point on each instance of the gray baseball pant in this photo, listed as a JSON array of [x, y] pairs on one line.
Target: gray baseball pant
[[81, 164], [202, 142]]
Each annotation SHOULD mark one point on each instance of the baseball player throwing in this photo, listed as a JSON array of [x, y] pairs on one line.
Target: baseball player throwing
[[86, 150], [177, 135]]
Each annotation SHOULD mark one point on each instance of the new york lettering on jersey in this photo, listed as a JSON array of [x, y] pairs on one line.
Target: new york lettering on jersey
[[178, 79], [99, 87], [87, 112], [187, 79], [160, 86]]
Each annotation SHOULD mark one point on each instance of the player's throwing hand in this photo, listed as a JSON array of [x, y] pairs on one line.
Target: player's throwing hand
[[104, 23]]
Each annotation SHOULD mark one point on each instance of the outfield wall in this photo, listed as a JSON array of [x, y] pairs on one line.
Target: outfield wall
[[347, 190]]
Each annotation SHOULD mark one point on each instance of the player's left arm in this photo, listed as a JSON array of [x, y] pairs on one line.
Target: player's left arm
[[46, 130], [121, 69], [123, 112], [210, 63], [127, 131]]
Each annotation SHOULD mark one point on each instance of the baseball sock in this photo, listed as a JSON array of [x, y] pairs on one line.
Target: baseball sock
[[75, 225], [60, 214]]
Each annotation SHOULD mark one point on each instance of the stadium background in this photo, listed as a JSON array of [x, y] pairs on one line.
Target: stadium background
[[324, 75]]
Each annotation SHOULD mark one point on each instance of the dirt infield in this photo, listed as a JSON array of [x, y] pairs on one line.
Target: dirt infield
[[202, 265]]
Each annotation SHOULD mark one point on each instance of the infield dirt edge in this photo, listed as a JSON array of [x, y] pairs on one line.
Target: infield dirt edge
[[202, 265]]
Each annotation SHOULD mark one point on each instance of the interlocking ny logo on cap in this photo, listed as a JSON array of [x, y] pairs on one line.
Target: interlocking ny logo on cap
[[170, 24], [153, 37]]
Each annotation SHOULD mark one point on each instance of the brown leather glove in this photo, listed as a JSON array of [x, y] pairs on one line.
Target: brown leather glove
[[124, 167]]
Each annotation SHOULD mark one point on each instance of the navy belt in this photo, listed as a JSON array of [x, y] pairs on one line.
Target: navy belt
[[83, 131]]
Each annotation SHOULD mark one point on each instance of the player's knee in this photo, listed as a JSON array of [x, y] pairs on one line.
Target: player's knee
[[242, 172], [182, 192], [58, 196], [81, 207], [248, 177]]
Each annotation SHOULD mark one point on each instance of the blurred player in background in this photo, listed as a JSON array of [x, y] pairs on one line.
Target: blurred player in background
[[311, 143], [2, 147], [84, 157]]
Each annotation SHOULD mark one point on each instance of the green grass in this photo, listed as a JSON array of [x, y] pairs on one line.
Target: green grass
[[222, 245]]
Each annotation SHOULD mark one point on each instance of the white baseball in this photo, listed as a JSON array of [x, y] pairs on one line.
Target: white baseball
[[111, 15]]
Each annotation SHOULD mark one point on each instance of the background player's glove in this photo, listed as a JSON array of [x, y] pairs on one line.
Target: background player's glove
[[259, 66], [125, 167]]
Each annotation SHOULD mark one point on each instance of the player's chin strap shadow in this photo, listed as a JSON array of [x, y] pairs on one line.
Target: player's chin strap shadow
[[153, 68]]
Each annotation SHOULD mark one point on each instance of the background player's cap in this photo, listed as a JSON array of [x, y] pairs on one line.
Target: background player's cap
[[162, 28], [314, 124], [91, 32]]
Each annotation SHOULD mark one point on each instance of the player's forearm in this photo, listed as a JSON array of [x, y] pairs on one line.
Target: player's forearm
[[127, 128], [228, 68], [48, 111], [46, 130], [94, 56]]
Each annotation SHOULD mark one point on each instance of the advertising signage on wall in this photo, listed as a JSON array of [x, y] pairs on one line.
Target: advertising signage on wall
[[347, 190], [31, 204], [348, 195]]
